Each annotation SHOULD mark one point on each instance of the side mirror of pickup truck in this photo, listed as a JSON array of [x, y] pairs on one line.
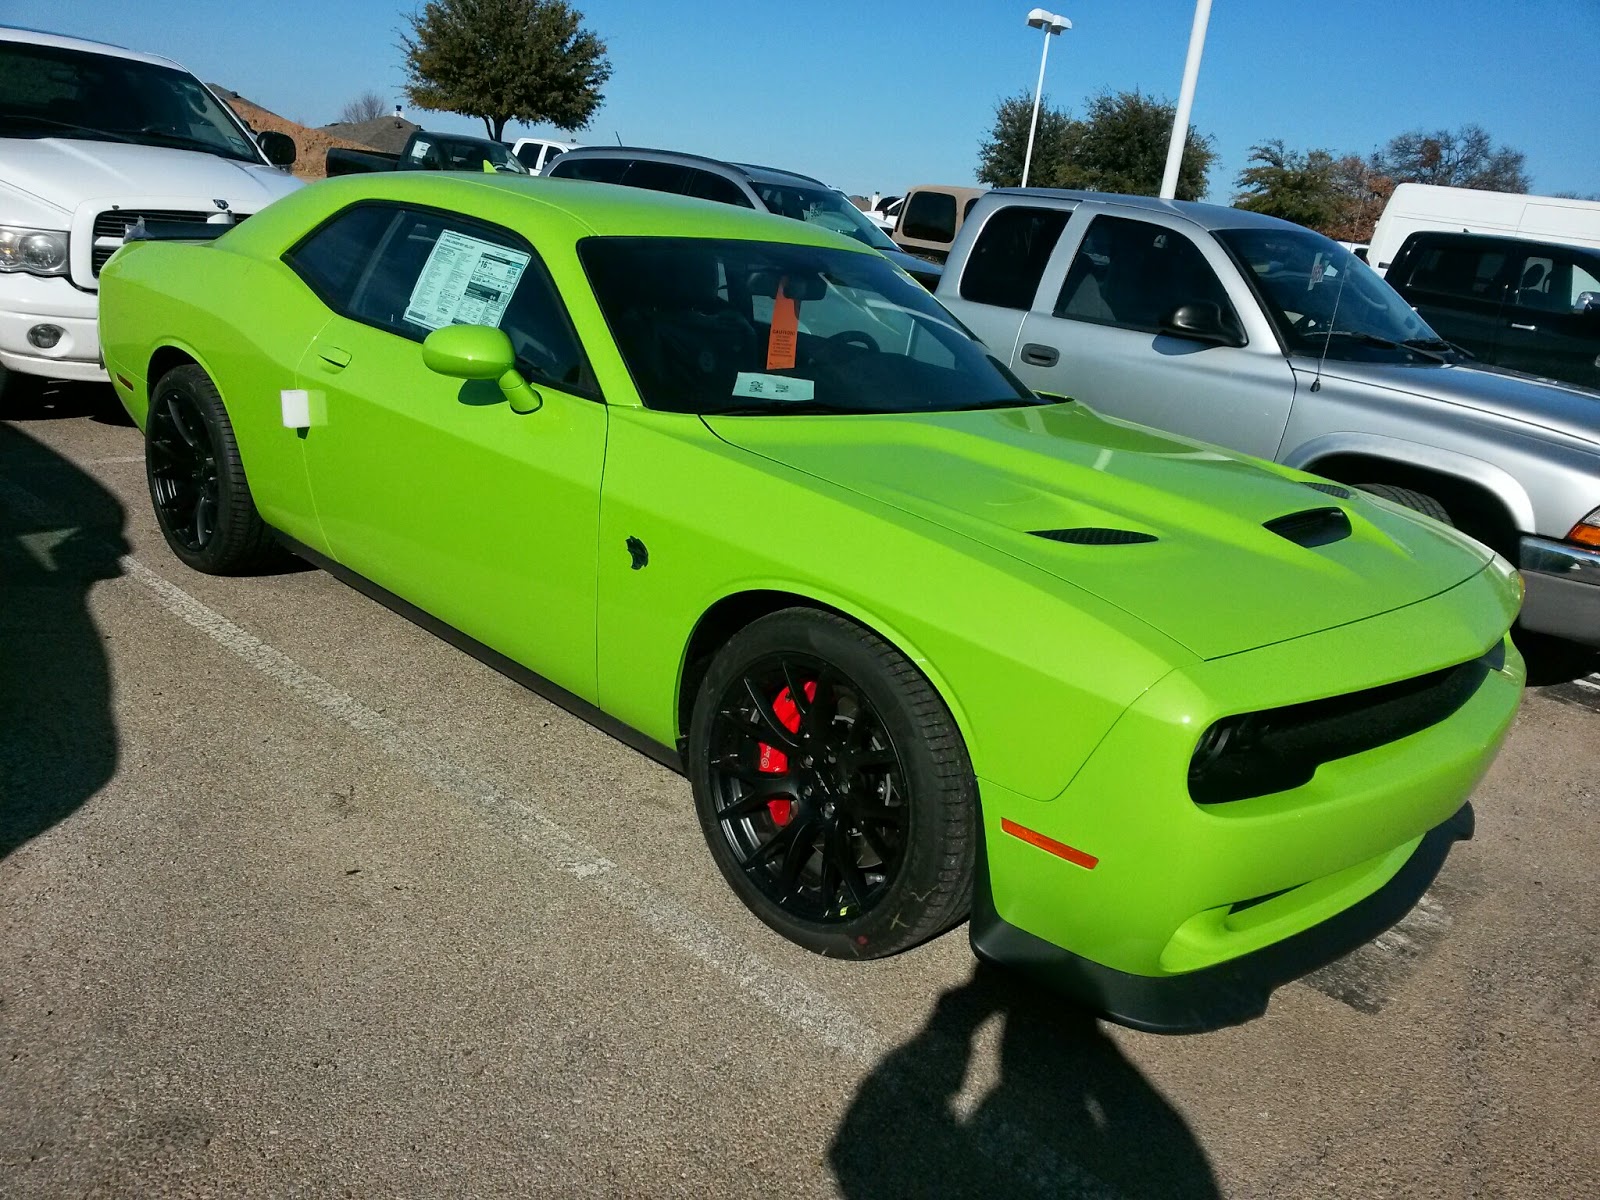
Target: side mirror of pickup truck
[[278, 147], [1203, 321]]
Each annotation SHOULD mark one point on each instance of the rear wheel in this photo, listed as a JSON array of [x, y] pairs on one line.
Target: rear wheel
[[832, 786], [1419, 501], [197, 485]]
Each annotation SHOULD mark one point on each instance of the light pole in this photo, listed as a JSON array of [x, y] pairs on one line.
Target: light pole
[[1051, 23], [1180, 119]]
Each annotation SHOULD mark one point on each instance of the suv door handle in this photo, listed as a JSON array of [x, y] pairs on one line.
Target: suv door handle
[[1040, 356], [1529, 328]]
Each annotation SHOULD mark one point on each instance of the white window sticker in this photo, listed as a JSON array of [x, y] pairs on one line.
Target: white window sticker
[[466, 281], [773, 387], [418, 149]]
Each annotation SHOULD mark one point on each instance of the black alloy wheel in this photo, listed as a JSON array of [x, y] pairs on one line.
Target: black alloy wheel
[[197, 483], [832, 787]]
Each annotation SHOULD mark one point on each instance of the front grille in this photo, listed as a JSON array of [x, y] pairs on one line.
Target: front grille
[[111, 227], [1256, 754]]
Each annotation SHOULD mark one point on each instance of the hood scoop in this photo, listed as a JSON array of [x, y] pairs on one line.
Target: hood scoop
[[1090, 535], [1311, 528], [1333, 489]]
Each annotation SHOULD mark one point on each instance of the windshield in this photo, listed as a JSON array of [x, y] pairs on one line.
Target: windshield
[[712, 326], [824, 207], [48, 91], [1322, 298]]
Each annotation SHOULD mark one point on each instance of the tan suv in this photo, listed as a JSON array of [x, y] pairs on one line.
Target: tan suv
[[931, 216]]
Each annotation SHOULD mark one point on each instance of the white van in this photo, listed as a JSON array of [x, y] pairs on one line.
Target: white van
[[93, 138], [1416, 206]]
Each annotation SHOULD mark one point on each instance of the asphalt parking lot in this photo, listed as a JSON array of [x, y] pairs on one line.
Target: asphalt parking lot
[[298, 900]]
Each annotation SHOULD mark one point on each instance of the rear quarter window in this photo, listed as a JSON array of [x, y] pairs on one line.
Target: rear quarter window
[[929, 217]]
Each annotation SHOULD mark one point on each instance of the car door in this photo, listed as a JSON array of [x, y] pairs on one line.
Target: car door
[[1458, 286], [431, 486], [1096, 333], [1001, 272], [1548, 326]]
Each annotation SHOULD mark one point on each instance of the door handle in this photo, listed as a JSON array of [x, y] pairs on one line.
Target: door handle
[[1040, 356], [335, 357], [1528, 328]]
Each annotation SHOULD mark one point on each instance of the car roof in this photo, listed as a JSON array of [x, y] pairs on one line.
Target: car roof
[[603, 209], [749, 171], [1206, 216], [1500, 241], [40, 37]]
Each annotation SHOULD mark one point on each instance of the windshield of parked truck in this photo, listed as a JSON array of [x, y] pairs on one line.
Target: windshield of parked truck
[[717, 326], [1325, 300], [824, 207], [54, 92]]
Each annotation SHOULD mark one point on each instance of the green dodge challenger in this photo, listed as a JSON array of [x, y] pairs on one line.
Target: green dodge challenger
[[1172, 726]]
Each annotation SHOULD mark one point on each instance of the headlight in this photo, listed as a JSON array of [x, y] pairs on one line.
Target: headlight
[[37, 251], [1587, 531]]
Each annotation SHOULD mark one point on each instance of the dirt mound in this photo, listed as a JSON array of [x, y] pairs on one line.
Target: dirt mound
[[312, 144]]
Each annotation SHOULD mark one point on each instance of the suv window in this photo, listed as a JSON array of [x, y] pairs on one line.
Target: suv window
[[1135, 275], [1458, 271], [1551, 282], [929, 217], [1008, 259], [396, 269], [708, 186], [655, 176], [595, 170]]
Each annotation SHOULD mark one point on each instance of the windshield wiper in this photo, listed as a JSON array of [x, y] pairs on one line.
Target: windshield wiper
[[72, 127], [1383, 343], [185, 142], [1033, 401], [781, 407], [1437, 343]]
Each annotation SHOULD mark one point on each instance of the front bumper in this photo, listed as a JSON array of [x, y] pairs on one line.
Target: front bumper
[[29, 300], [1144, 883], [1228, 993], [1563, 590]]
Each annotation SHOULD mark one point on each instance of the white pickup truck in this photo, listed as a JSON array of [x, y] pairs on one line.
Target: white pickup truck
[[92, 138]]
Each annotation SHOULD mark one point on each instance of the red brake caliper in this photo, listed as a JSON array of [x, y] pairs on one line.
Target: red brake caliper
[[775, 761]]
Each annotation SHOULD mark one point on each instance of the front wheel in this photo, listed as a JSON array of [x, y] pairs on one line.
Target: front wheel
[[833, 787], [197, 485]]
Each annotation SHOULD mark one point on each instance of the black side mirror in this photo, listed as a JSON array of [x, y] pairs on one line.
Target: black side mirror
[[278, 147], [1202, 321]]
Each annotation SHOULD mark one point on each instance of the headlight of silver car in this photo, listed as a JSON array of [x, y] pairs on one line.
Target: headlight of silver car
[[37, 251]]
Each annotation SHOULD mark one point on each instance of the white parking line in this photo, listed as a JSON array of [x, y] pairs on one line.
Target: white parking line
[[775, 989]]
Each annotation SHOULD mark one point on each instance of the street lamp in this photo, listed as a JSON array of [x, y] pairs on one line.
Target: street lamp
[[1051, 23], [1180, 119]]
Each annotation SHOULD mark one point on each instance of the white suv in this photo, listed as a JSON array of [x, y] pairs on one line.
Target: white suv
[[92, 138]]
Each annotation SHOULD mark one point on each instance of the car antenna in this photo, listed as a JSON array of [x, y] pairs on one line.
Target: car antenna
[[1316, 384], [618, 136]]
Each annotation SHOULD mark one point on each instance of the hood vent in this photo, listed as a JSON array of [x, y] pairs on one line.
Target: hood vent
[[1333, 489], [1311, 528], [1090, 535]]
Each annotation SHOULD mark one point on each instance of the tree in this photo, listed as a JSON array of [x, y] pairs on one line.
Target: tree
[[365, 107], [1466, 157], [1298, 187], [1119, 146], [505, 60], [1000, 155]]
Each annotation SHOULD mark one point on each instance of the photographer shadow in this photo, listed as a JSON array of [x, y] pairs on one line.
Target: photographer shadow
[[1069, 1116], [60, 534]]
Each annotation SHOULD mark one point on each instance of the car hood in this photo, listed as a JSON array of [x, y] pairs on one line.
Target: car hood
[[1215, 579], [917, 268], [62, 173], [1564, 408]]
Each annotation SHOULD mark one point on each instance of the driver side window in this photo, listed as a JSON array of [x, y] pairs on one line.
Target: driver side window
[[1135, 275]]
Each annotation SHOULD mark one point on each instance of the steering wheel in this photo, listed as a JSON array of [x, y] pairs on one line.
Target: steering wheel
[[856, 338]]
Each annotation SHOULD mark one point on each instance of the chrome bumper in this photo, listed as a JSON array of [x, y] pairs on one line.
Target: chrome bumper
[[1563, 590]]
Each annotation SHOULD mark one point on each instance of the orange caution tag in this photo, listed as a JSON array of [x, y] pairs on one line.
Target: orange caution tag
[[785, 329]]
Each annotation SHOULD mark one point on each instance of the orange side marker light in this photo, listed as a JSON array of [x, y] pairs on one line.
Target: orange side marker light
[[1060, 849]]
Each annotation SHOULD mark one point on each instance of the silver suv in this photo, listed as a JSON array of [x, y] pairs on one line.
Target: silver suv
[[1244, 330], [765, 189]]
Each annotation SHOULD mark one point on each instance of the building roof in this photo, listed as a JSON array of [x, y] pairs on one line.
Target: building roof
[[388, 134]]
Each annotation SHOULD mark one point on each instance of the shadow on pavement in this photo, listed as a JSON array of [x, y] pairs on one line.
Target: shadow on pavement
[[60, 533], [1068, 1117], [30, 398]]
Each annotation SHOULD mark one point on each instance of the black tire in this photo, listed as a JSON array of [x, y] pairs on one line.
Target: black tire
[[889, 804], [197, 486], [1419, 501]]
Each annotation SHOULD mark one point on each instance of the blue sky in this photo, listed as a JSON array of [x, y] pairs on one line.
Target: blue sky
[[883, 96]]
